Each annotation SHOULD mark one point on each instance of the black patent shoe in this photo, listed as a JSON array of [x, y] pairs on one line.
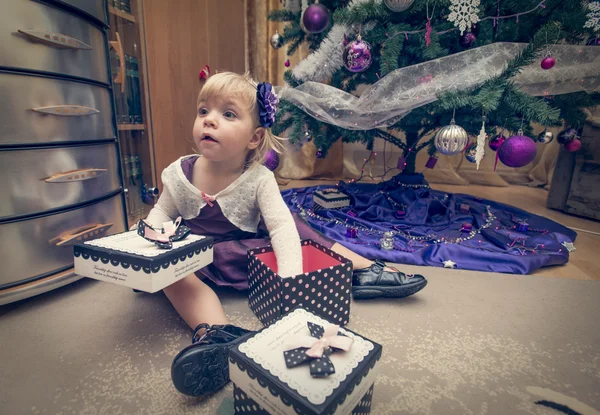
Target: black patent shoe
[[375, 282], [202, 368]]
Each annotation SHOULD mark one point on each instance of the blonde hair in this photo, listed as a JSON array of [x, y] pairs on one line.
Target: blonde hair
[[242, 87]]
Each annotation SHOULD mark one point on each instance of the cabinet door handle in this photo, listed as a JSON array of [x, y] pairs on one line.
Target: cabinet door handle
[[75, 175], [80, 234], [67, 110], [55, 39]]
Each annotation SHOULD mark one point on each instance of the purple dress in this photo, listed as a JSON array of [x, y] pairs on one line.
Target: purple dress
[[230, 264]]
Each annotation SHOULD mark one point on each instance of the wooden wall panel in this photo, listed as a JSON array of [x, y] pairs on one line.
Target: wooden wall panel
[[181, 37]]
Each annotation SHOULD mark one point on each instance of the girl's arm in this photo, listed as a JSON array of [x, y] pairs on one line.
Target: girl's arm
[[164, 210], [282, 228]]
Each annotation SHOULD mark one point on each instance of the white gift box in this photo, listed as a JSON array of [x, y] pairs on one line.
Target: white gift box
[[128, 259], [263, 384]]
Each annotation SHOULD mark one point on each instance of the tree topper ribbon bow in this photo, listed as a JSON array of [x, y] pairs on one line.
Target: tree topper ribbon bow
[[171, 232], [316, 348]]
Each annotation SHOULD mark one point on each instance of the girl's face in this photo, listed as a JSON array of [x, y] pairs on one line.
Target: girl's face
[[225, 129]]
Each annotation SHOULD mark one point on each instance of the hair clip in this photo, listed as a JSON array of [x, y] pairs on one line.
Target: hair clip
[[267, 104]]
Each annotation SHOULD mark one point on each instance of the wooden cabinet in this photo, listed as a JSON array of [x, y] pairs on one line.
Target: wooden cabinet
[[167, 43]]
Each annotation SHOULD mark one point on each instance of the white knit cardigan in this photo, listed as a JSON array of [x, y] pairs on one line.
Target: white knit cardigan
[[251, 195]]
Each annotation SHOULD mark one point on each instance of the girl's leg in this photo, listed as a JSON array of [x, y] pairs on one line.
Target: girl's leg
[[195, 302], [358, 262]]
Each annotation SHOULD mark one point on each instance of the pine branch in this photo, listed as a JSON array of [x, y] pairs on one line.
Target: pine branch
[[290, 79], [284, 15], [533, 109], [487, 98], [390, 138], [389, 55], [362, 13], [294, 46]]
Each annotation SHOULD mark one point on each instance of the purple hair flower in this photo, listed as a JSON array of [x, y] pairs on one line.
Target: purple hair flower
[[267, 104]]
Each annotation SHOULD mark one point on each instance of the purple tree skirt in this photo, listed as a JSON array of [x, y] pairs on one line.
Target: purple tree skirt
[[436, 228]]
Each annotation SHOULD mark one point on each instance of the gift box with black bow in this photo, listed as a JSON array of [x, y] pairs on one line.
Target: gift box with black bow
[[302, 364], [146, 259], [324, 287]]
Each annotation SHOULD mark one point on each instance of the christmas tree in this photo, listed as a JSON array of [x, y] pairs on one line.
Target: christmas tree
[[397, 34]]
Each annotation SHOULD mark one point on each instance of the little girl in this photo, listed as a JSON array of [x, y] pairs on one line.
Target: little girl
[[223, 193]]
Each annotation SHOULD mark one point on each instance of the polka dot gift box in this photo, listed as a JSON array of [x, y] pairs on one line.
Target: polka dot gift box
[[324, 287], [267, 378]]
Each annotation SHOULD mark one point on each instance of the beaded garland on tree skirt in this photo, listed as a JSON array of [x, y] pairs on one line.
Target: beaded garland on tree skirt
[[431, 227]]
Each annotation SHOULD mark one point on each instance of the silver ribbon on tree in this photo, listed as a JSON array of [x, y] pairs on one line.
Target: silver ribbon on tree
[[392, 97]]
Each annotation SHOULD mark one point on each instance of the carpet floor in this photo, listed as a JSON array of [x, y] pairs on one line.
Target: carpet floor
[[469, 343]]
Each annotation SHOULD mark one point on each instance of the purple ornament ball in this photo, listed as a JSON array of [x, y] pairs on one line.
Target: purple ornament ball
[[567, 135], [548, 63], [496, 142], [315, 18], [271, 160], [517, 151], [467, 40], [357, 56], [573, 145]]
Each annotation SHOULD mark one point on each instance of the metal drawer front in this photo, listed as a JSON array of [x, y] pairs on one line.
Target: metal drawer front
[[39, 180], [59, 51], [94, 8], [43, 110], [35, 247]]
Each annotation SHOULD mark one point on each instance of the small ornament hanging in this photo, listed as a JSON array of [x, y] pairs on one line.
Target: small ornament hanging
[[471, 152], [400, 214], [573, 145], [593, 16], [204, 73], [398, 5], [276, 40], [315, 18], [387, 242], [567, 135], [431, 162], [401, 165], [480, 149], [287, 63], [496, 142], [545, 137], [548, 63], [351, 233], [464, 13], [319, 154], [357, 55], [467, 40], [517, 151], [451, 139], [271, 160]]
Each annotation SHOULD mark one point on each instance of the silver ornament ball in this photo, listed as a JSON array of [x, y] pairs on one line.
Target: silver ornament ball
[[276, 40], [451, 139], [398, 5], [545, 137]]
